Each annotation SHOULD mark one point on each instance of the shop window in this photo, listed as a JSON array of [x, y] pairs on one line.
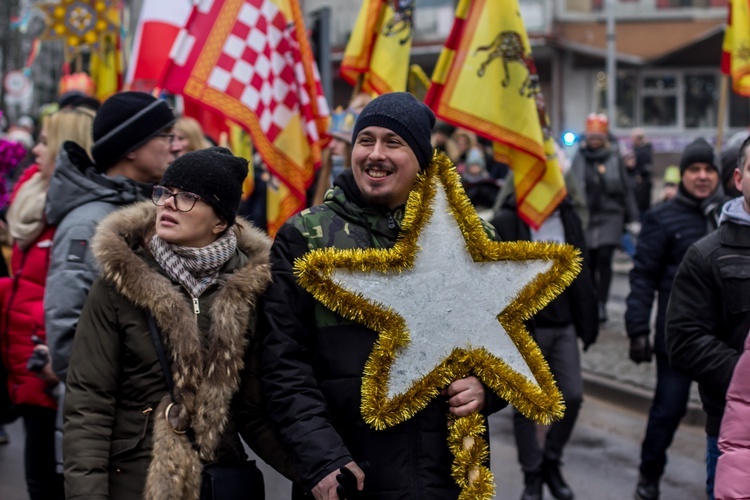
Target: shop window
[[659, 100], [701, 100], [739, 111]]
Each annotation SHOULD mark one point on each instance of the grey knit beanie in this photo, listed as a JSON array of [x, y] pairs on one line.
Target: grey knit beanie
[[402, 113]]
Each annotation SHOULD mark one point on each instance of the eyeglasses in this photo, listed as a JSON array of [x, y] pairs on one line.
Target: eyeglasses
[[168, 136], [183, 201]]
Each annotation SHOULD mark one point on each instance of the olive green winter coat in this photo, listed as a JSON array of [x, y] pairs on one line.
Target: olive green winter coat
[[117, 393]]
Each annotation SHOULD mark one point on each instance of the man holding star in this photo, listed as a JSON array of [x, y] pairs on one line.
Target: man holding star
[[314, 359]]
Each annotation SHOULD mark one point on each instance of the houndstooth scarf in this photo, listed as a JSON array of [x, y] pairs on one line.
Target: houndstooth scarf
[[195, 268]]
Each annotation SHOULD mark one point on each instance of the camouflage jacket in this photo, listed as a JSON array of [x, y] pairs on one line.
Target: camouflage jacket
[[313, 361]]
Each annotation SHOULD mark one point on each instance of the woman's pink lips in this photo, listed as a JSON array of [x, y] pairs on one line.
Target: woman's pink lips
[[168, 219]]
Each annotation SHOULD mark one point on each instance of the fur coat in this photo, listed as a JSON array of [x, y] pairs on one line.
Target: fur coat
[[117, 440]]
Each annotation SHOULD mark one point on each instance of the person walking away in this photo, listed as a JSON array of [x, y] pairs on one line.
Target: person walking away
[[600, 174]]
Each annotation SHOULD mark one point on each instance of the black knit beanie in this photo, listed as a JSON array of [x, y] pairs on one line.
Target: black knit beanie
[[699, 151], [402, 113], [124, 122], [214, 174]]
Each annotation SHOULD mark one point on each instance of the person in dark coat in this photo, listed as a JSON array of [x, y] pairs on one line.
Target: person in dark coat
[[314, 359], [186, 261], [708, 315], [728, 166], [641, 174], [557, 328], [668, 231], [22, 334], [610, 201]]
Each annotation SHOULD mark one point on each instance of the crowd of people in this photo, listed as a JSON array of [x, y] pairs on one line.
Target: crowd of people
[[147, 326]]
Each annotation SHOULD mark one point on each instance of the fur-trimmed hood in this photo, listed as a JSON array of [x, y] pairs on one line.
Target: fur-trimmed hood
[[205, 378]]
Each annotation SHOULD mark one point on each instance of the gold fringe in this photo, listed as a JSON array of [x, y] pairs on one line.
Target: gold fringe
[[542, 403]]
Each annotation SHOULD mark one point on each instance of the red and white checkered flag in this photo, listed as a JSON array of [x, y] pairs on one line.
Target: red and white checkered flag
[[251, 61]]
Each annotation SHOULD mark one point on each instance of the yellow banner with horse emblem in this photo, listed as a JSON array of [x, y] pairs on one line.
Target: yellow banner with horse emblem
[[735, 57], [377, 54], [486, 81]]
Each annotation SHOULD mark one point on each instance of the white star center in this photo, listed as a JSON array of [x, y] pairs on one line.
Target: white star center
[[447, 300]]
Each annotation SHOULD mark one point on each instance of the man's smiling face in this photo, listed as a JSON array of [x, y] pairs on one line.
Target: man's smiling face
[[384, 167]]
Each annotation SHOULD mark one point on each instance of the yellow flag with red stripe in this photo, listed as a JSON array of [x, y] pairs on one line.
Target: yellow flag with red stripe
[[379, 47], [486, 81], [106, 61], [106, 67], [735, 57]]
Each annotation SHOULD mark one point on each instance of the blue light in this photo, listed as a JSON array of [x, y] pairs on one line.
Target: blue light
[[569, 138]]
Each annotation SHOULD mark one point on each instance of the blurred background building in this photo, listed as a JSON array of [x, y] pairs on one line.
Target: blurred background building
[[667, 52]]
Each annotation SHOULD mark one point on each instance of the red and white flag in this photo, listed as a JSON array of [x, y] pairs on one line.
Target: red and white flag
[[250, 60], [159, 23]]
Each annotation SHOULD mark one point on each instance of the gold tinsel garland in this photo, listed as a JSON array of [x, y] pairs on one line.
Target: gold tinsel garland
[[542, 402]]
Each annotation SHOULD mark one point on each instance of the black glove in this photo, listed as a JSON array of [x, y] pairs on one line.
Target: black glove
[[640, 349], [347, 488], [39, 357]]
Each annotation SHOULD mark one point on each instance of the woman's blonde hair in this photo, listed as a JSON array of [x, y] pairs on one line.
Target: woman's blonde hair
[[68, 125], [193, 132]]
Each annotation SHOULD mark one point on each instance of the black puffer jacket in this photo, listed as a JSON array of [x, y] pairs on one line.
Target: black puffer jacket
[[313, 360], [708, 316], [579, 299], [668, 231]]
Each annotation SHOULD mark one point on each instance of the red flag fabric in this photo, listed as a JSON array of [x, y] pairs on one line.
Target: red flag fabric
[[159, 22]]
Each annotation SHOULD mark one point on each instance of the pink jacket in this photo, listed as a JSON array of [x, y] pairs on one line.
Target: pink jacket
[[733, 468]]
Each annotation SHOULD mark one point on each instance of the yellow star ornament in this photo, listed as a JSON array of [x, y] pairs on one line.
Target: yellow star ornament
[[79, 22], [447, 302]]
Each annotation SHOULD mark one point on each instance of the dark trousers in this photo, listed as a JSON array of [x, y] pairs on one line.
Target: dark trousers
[[667, 409], [42, 481], [601, 263], [560, 348]]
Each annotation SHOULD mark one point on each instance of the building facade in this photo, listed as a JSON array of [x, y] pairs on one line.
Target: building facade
[[668, 56]]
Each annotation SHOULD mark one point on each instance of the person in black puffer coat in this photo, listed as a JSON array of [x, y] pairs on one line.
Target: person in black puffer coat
[[708, 315], [668, 231]]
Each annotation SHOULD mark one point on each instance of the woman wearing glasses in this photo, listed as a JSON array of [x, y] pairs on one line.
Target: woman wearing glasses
[[135, 427]]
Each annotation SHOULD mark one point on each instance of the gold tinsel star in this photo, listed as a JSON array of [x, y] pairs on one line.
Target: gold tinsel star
[[447, 301]]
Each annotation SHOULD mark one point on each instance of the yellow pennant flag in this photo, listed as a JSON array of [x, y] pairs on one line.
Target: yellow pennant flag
[[486, 81], [241, 145], [419, 82], [106, 67], [379, 47], [735, 57]]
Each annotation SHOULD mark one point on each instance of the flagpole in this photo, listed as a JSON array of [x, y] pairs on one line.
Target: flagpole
[[324, 177], [611, 64], [723, 96]]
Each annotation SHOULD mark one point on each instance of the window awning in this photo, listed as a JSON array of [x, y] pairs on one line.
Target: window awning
[[638, 43]]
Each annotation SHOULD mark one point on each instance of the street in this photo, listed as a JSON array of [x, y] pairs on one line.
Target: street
[[600, 462]]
